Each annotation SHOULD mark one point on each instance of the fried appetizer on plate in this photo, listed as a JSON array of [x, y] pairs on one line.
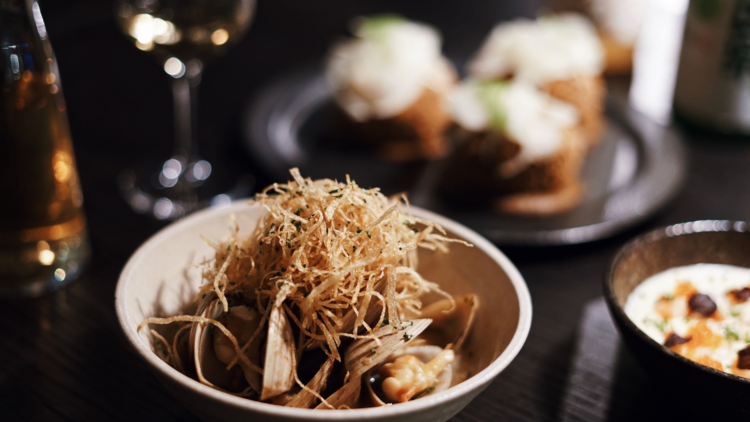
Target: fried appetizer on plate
[[560, 55], [390, 81], [519, 148]]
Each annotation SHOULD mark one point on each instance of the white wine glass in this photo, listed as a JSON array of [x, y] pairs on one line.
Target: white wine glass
[[182, 35]]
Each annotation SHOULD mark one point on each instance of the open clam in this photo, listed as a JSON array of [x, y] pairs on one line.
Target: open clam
[[449, 324], [212, 351], [364, 353], [426, 354], [209, 369], [452, 320]]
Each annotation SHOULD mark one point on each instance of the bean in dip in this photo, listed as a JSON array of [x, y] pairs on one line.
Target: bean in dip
[[700, 311]]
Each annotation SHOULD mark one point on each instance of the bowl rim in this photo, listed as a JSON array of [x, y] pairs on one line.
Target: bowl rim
[[658, 234], [476, 382]]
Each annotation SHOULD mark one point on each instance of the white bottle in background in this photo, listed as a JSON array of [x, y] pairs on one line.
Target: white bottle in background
[[656, 57], [713, 82]]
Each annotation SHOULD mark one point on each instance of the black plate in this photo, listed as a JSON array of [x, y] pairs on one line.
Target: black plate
[[637, 168]]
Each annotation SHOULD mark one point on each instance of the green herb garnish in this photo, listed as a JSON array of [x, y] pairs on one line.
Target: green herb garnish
[[490, 94], [661, 326], [378, 26], [730, 335]]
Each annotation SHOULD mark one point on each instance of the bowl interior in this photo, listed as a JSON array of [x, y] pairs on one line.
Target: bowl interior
[[709, 242], [663, 250], [159, 281], [469, 270]]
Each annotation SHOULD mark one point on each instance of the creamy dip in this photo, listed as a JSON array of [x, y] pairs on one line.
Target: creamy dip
[[700, 311]]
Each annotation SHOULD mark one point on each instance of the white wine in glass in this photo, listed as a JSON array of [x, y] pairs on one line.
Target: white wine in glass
[[183, 35]]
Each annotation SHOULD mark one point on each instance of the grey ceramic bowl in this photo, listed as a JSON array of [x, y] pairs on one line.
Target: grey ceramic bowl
[[708, 241], [158, 281]]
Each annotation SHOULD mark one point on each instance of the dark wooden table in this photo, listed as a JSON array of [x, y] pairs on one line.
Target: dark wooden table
[[62, 356]]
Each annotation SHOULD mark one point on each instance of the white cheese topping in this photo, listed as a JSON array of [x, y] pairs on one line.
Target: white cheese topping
[[548, 49], [621, 19], [731, 325], [385, 69], [517, 109]]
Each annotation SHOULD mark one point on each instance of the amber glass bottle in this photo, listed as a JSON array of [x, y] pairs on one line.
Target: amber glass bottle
[[43, 241]]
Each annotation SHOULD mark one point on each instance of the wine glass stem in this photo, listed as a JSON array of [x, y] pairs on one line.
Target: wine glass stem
[[185, 91]]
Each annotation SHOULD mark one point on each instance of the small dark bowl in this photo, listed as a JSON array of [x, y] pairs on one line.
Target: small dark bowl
[[708, 241]]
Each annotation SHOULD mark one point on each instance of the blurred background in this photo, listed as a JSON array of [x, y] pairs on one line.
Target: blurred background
[[120, 104], [65, 359]]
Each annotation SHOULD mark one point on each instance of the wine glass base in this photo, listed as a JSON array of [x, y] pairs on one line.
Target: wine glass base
[[171, 193], [60, 264]]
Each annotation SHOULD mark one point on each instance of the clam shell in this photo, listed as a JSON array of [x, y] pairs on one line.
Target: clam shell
[[451, 324], [359, 357], [279, 367], [348, 395], [209, 370], [350, 318], [373, 310], [371, 317], [305, 399], [197, 328], [243, 322]]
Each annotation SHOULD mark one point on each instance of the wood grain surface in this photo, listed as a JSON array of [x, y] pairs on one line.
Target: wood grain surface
[[62, 356]]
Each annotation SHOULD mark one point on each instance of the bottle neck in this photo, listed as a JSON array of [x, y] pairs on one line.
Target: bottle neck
[[23, 40], [28, 69]]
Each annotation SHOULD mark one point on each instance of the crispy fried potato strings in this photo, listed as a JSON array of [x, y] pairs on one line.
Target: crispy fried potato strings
[[336, 250]]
